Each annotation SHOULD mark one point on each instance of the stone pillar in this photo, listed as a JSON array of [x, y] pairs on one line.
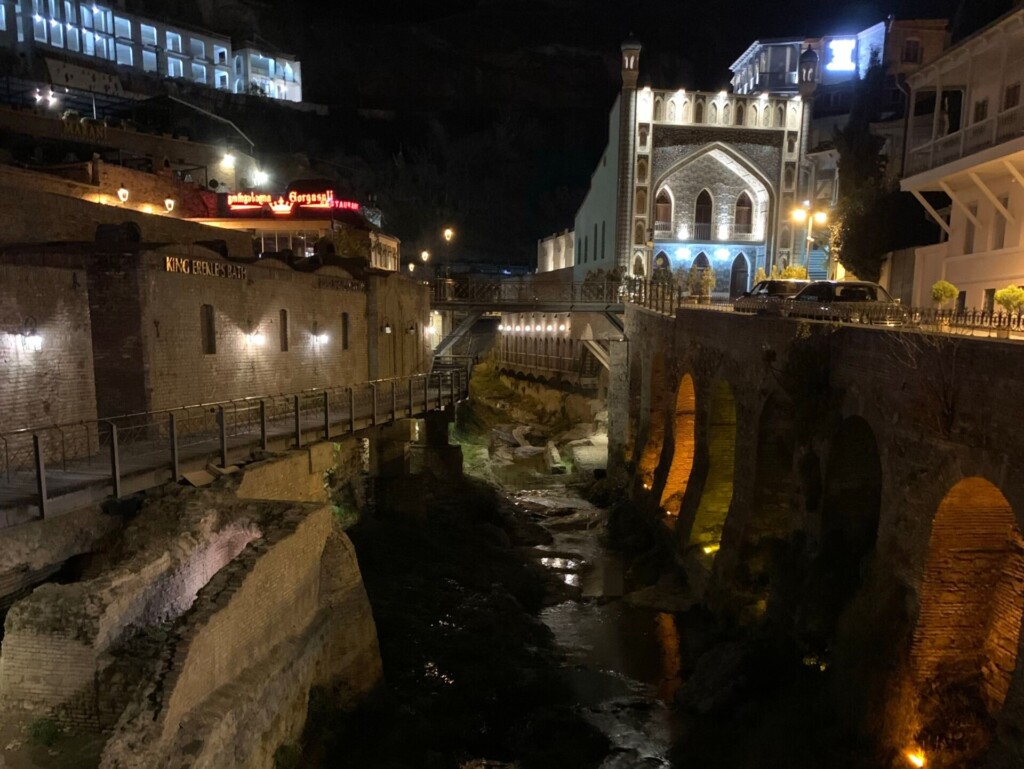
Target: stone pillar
[[627, 152], [441, 458], [618, 406]]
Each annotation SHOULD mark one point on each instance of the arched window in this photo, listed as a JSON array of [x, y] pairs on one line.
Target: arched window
[[638, 234], [780, 117], [672, 110], [701, 262], [658, 109], [641, 170], [766, 116], [661, 261], [744, 220], [702, 216], [713, 114], [686, 110], [727, 115], [739, 114], [641, 201], [643, 136], [663, 212], [789, 177], [792, 117], [638, 266], [698, 112]]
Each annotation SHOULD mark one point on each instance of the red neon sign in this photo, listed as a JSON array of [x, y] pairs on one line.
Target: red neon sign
[[282, 206]]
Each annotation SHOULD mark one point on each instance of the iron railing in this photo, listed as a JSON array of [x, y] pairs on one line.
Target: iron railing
[[133, 452], [527, 293]]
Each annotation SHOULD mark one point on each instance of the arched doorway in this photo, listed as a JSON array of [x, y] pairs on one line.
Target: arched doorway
[[681, 466], [739, 277], [716, 496], [658, 393], [968, 629], [702, 216]]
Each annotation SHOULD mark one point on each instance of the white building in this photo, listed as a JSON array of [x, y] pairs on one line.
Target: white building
[[693, 178], [90, 33], [966, 140], [555, 252]]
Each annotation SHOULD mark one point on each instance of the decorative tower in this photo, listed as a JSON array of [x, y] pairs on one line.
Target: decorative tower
[[627, 152]]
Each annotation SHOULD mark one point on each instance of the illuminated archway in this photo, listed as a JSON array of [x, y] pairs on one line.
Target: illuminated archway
[[681, 465], [651, 453], [968, 628], [716, 496]]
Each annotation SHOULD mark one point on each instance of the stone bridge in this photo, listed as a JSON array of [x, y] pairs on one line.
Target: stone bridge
[[861, 488]]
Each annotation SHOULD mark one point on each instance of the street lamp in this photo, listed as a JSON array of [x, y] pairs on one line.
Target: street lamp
[[425, 256], [449, 233], [803, 214]]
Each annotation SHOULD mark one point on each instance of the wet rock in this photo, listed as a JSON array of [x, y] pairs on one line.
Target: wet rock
[[718, 680], [493, 535]]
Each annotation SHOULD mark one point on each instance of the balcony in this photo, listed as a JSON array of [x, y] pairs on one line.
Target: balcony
[[1006, 126]]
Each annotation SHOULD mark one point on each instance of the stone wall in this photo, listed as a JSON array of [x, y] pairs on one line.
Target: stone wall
[[72, 217], [303, 474]]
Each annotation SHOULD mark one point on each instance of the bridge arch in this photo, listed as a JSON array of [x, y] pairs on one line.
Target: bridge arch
[[775, 489], [682, 447], [716, 494], [657, 395], [967, 636]]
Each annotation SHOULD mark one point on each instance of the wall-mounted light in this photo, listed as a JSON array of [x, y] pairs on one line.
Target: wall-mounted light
[[122, 193], [228, 161], [561, 327], [256, 338], [260, 177], [412, 267], [537, 327], [411, 329], [386, 328], [321, 338], [31, 342], [519, 328], [169, 204], [550, 328], [425, 255], [501, 327]]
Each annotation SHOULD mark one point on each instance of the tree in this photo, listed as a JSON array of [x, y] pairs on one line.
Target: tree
[[943, 291], [872, 217], [1010, 298]]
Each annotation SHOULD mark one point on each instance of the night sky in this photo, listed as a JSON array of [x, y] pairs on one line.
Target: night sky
[[491, 114]]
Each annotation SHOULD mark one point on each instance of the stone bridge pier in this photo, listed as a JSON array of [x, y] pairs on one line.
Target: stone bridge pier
[[859, 489]]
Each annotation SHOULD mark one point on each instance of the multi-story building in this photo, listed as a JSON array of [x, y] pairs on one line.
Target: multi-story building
[[691, 178], [966, 140], [89, 34]]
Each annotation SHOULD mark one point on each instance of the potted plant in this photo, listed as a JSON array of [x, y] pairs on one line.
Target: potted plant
[[1010, 299], [942, 292], [701, 283]]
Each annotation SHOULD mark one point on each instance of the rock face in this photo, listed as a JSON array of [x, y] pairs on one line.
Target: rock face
[[200, 648]]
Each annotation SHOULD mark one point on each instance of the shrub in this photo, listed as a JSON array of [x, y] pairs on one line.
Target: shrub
[[701, 281], [943, 291], [44, 731], [1010, 298], [794, 272], [760, 275]]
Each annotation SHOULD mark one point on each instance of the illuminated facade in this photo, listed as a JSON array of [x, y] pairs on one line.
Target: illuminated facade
[[966, 140], [692, 178], [87, 33]]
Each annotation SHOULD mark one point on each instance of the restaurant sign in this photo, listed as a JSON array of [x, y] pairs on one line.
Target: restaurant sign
[[204, 267], [283, 205]]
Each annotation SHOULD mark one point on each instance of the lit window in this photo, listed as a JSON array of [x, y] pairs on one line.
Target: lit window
[[174, 44], [122, 28], [220, 54], [88, 43], [3, 17], [70, 16], [175, 67], [147, 34], [87, 16], [72, 34], [39, 27], [199, 73], [197, 48], [149, 61], [124, 55], [222, 79]]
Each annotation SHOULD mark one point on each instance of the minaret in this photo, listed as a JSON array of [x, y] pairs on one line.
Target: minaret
[[627, 152]]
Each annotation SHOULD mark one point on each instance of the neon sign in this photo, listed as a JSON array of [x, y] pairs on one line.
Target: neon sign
[[283, 206], [840, 57]]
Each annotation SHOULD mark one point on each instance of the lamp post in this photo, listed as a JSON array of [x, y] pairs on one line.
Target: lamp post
[[449, 235], [804, 213]]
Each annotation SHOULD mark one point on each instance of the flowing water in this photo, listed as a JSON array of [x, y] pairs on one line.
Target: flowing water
[[622, 660]]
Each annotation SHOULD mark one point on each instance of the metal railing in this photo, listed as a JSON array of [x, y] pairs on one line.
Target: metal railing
[[133, 452], [498, 292]]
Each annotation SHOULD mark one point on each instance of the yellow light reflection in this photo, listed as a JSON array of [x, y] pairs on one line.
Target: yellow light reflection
[[916, 758]]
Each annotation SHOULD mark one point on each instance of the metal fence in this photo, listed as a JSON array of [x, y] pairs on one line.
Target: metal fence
[[129, 453], [524, 291]]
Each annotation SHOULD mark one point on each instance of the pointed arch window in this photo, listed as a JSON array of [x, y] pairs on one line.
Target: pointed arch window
[[663, 212], [698, 112], [753, 117], [744, 219], [672, 110], [739, 114], [641, 201], [780, 117], [638, 234], [686, 110], [701, 262], [727, 115], [658, 109], [641, 170], [702, 216], [713, 114]]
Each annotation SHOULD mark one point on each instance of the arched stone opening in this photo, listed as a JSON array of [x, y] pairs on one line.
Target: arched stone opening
[[850, 510], [683, 439], [968, 629], [739, 276], [652, 449], [716, 496], [775, 487]]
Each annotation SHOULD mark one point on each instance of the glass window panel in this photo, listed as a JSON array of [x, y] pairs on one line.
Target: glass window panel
[[122, 28], [147, 34], [124, 55], [149, 61]]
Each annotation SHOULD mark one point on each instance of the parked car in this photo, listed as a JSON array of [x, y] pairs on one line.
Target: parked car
[[847, 301], [766, 295]]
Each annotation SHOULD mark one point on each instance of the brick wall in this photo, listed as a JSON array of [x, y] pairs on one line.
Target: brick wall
[[405, 305], [55, 384]]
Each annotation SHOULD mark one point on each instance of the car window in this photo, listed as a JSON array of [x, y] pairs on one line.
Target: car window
[[760, 289], [815, 293], [783, 288]]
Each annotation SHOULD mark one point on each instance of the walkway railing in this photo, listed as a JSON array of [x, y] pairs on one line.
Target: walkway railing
[[527, 293], [667, 298], [45, 465]]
